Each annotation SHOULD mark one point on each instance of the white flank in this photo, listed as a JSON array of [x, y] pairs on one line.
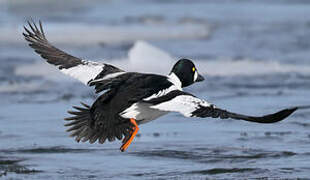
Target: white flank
[[131, 112], [184, 104], [142, 112], [84, 72]]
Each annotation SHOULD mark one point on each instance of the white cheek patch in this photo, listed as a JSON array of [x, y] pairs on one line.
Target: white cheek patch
[[195, 76]]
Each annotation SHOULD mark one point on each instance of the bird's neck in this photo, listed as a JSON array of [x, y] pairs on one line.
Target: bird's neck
[[175, 80]]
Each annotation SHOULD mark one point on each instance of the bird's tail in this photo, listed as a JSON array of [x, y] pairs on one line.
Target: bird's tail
[[83, 126], [80, 124]]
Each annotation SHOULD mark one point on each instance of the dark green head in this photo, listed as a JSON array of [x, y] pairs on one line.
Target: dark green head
[[186, 71]]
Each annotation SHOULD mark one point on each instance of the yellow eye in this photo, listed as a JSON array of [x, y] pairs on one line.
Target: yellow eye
[[194, 69]]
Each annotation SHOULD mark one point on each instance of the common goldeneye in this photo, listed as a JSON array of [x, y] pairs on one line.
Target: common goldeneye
[[129, 99]]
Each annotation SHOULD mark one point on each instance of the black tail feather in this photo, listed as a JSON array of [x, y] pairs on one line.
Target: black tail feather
[[80, 124], [83, 127]]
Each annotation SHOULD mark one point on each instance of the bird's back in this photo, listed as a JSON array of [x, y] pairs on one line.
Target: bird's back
[[131, 88]]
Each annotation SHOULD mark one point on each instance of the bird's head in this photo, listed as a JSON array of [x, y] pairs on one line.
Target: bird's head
[[187, 72]]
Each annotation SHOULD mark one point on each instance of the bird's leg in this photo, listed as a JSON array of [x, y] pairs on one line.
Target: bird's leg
[[128, 139]]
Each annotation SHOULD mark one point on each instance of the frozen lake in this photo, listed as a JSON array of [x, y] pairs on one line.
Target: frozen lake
[[253, 54]]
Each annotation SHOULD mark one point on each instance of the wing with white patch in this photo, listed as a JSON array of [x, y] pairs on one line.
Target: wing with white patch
[[178, 101], [85, 71], [191, 106]]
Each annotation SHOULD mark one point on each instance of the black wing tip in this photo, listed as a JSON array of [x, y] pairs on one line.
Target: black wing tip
[[276, 117], [266, 119], [32, 32], [281, 115], [289, 111], [303, 107]]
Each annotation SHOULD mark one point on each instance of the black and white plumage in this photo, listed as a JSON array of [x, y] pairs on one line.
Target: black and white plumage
[[127, 95]]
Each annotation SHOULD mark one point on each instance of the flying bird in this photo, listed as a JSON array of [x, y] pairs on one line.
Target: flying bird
[[129, 99]]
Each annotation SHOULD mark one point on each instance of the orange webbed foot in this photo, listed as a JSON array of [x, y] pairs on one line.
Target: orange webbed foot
[[128, 139]]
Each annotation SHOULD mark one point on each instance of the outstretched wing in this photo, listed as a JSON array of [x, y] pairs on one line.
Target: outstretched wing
[[191, 106], [83, 70]]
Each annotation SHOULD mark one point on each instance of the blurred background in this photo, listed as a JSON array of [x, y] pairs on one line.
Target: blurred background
[[254, 55]]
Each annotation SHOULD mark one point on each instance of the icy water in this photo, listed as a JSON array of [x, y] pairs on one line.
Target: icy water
[[253, 54]]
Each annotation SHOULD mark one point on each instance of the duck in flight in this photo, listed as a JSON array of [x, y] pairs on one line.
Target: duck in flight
[[129, 99]]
